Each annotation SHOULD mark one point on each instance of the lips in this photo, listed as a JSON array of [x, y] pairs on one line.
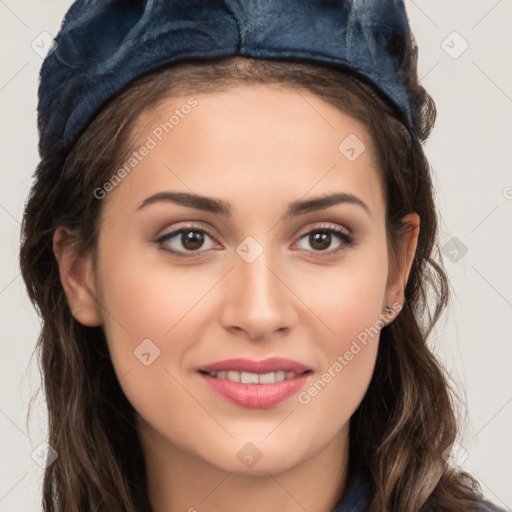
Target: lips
[[273, 364], [256, 384]]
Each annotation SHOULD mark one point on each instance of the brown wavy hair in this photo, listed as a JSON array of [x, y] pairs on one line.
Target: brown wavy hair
[[406, 419]]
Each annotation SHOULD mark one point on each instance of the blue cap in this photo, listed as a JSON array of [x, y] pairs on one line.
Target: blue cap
[[104, 45]]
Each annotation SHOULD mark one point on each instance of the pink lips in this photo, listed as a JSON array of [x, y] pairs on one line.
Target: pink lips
[[273, 364], [256, 395]]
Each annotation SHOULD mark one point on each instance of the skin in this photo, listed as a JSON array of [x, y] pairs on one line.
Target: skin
[[259, 148]]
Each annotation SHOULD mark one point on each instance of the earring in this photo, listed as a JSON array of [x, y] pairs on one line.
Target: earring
[[388, 310]]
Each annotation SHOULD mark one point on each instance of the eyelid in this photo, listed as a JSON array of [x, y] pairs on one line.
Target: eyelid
[[190, 226], [344, 235], [327, 227], [186, 225]]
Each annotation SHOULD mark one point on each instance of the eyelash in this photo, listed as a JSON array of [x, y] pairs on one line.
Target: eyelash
[[347, 240]]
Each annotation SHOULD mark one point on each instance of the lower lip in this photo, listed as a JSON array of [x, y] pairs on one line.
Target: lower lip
[[256, 396]]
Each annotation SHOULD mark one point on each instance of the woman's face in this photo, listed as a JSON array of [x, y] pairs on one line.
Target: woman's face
[[257, 272]]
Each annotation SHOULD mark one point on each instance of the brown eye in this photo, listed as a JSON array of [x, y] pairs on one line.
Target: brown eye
[[326, 241], [320, 240], [186, 240], [192, 240]]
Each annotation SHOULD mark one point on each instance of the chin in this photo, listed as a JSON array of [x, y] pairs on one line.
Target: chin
[[256, 458]]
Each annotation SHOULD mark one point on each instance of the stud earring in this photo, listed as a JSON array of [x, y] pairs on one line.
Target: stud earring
[[388, 310]]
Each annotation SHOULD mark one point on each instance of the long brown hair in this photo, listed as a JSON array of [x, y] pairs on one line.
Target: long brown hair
[[406, 419]]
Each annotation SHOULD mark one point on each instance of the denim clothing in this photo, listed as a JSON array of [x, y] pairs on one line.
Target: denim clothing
[[357, 494]]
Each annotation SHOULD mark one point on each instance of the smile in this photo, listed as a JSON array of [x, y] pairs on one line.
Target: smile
[[254, 378], [257, 384]]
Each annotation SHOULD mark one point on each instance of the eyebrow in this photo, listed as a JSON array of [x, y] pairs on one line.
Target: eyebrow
[[218, 207]]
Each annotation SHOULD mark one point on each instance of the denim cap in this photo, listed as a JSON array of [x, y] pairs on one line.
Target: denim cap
[[104, 45]]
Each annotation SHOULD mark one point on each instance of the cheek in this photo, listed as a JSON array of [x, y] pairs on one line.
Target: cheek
[[147, 321], [349, 299], [151, 308], [348, 302], [347, 355], [144, 296], [355, 305]]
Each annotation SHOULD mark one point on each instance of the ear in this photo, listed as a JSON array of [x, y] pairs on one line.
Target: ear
[[77, 278], [399, 273]]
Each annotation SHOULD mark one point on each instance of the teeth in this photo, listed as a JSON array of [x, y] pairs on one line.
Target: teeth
[[234, 376], [280, 376], [249, 378], [267, 378], [254, 378]]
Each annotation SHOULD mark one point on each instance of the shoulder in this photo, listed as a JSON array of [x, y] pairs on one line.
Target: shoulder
[[358, 494]]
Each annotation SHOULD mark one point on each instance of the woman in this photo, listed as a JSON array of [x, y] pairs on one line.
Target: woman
[[230, 242]]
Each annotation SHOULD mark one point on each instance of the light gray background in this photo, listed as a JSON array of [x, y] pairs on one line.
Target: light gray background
[[470, 151]]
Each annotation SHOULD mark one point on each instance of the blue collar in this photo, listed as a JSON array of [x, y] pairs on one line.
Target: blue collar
[[356, 495]]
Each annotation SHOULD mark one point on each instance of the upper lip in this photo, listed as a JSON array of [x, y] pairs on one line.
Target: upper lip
[[272, 364]]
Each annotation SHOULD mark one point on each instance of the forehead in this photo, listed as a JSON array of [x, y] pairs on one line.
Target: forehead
[[277, 141]]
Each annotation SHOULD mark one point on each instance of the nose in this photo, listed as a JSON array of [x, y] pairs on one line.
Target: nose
[[258, 301]]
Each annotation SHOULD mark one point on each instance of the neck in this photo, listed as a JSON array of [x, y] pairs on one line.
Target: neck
[[182, 481]]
